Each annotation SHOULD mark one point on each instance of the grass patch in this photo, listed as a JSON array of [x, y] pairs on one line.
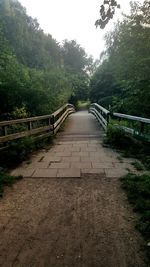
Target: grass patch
[[6, 180], [120, 159], [129, 146], [138, 192], [138, 165], [83, 105]]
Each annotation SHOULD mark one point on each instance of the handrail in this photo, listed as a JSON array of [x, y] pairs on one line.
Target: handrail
[[10, 122], [100, 107], [129, 117], [47, 124], [133, 131], [103, 115]]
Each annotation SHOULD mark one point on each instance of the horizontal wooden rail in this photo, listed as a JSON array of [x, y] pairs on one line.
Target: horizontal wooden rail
[[103, 115], [136, 132], [41, 125], [133, 118]]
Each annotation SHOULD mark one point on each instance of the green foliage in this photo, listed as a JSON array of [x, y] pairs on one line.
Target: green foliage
[[17, 151], [20, 113], [83, 105], [122, 79], [117, 137], [37, 75], [6, 180], [138, 192], [74, 57], [21, 148], [128, 145], [107, 11], [138, 165]]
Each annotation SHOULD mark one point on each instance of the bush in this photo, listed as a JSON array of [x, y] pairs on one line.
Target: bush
[[17, 151], [6, 180], [128, 145], [117, 137]]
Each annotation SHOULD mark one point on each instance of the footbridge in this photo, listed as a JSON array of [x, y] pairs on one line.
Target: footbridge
[[78, 149]]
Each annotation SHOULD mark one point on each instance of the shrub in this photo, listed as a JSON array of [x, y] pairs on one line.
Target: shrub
[[16, 152], [6, 180], [128, 145], [117, 137]]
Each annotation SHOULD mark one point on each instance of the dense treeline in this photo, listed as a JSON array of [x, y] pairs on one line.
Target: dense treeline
[[37, 74], [122, 80]]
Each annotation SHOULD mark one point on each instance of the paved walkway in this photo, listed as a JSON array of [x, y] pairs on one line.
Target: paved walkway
[[70, 210], [77, 151]]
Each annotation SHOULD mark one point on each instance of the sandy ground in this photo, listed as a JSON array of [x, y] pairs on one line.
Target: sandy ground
[[68, 222]]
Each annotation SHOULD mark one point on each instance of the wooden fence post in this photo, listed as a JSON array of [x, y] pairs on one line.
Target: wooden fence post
[[52, 123], [4, 129], [29, 125]]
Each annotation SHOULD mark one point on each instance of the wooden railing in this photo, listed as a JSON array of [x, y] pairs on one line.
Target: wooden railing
[[42, 126], [101, 114], [104, 116], [139, 127]]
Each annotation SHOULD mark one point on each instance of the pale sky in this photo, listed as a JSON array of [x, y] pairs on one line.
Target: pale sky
[[73, 20]]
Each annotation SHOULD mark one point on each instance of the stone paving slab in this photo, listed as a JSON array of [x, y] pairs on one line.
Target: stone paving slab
[[50, 159], [73, 149], [100, 165], [24, 172], [94, 171], [89, 149], [38, 165], [85, 159], [60, 165], [71, 159], [69, 173], [63, 154], [45, 173], [81, 165], [80, 154]]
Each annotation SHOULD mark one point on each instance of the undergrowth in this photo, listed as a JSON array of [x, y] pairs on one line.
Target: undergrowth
[[16, 152], [136, 186], [128, 145], [20, 150], [6, 180], [138, 192]]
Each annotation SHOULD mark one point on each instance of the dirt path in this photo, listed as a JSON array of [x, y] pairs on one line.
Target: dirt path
[[64, 221]]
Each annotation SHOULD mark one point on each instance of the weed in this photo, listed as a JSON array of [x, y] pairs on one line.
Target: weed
[[120, 159], [6, 180], [41, 158], [138, 192], [138, 165], [28, 162], [129, 146], [20, 150]]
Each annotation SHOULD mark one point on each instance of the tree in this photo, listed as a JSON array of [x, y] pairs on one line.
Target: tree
[[123, 76], [37, 75], [107, 11], [74, 56]]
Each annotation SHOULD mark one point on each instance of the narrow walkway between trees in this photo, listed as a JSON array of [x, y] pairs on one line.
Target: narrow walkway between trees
[[69, 210]]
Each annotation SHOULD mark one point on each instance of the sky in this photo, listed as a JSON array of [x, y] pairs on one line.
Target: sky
[[73, 20]]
